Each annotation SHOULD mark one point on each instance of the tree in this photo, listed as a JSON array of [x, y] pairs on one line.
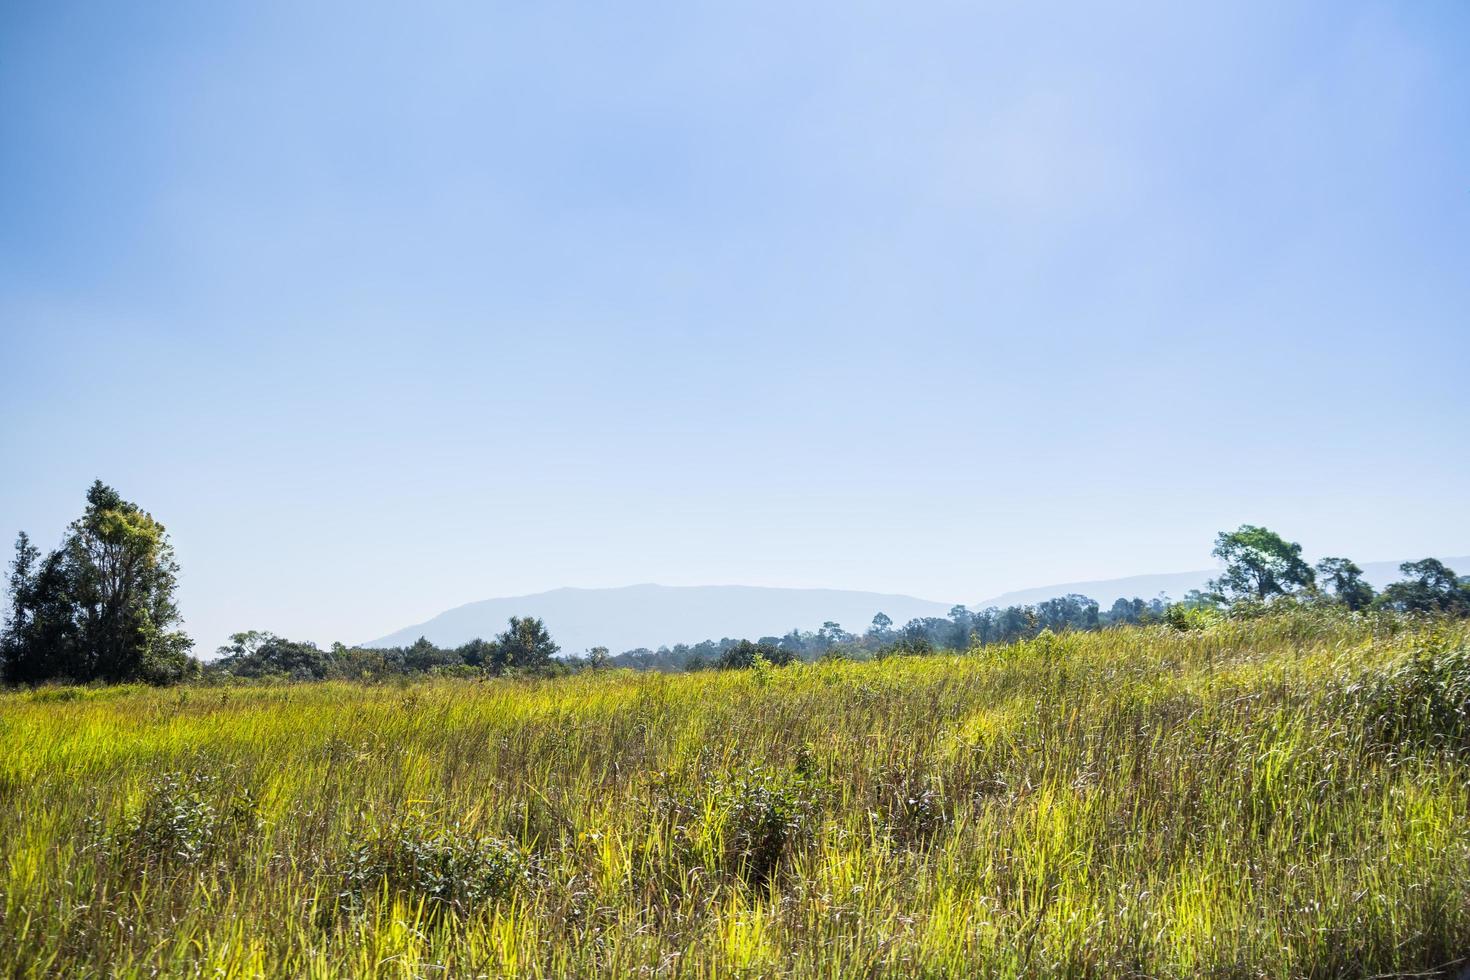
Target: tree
[[1070, 611], [832, 635], [795, 642], [124, 575], [101, 607], [42, 640], [915, 637], [22, 579], [526, 645], [1431, 587], [598, 658], [1128, 611], [963, 619], [423, 656], [478, 653], [1259, 564], [744, 654], [881, 625], [1344, 580], [260, 654]]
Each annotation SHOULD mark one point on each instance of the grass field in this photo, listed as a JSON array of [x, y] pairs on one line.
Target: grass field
[[1282, 797]]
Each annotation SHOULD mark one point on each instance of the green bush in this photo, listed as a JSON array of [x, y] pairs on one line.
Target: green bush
[[185, 819], [767, 815], [449, 872]]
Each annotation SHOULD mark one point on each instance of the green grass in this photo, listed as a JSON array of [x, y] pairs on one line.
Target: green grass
[[1282, 797]]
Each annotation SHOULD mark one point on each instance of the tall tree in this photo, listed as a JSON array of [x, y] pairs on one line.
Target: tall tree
[[526, 644], [832, 634], [882, 623], [41, 640], [21, 614], [102, 606], [1344, 580], [1259, 564], [1430, 586], [124, 574], [959, 633]]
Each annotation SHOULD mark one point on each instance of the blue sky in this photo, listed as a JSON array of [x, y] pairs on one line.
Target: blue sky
[[382, 311]]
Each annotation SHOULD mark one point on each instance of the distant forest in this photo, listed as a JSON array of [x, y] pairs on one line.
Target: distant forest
[[101, 608]]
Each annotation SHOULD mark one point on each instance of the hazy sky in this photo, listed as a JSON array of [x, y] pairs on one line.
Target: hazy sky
[[382, 310]]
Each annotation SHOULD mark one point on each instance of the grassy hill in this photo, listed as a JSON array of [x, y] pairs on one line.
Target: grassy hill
[[1278, 797]]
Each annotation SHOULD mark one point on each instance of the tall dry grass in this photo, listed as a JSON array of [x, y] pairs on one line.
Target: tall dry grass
[[1280, 797]]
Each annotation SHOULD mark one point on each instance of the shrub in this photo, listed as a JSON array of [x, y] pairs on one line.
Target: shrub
[[743, 655], [450, 873], [181, 823], [767, 814], [1187, 618]]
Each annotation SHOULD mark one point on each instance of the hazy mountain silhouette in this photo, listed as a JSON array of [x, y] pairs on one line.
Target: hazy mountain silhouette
[[658, 615], [655, 615]]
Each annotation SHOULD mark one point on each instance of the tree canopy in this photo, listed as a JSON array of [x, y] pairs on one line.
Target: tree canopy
[[526, 645], [1259, 564], [1429, 587], [100, 607], [1344, 581]]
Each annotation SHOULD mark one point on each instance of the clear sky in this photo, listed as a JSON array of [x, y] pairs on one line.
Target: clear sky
[[386, 308]]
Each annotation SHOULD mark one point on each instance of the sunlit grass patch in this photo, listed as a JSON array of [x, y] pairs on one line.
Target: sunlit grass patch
[[1285, 796]]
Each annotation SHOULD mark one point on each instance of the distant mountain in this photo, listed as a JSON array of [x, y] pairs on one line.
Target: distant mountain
[[656, 615], [1176, 584]]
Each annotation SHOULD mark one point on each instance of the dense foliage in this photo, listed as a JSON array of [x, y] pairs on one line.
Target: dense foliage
[[524, 647], [100, 607], [1274, 791]]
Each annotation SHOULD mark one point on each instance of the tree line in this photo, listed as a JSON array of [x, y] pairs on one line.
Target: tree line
[[961, 630], [1260, 566], [525, 647], [101, 608]]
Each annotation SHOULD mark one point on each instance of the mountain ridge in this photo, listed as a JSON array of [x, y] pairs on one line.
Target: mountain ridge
[[651, 615]]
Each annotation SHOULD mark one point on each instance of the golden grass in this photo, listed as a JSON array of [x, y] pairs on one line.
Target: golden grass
[[1134, 802]]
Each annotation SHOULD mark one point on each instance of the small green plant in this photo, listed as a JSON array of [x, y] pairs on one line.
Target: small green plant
[[1187, 618], [185, 819], [915, 807], [449, 872], [767, 815], [762, 670]]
